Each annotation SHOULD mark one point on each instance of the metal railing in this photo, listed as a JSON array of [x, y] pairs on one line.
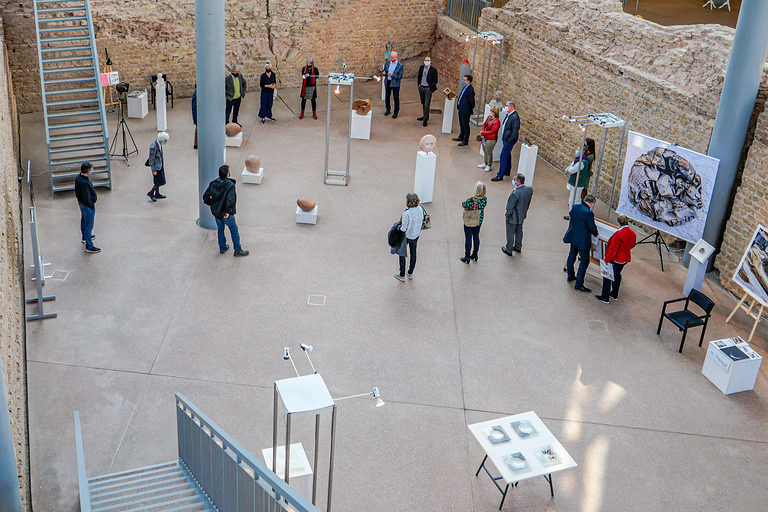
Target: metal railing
[[232, 478], [82, 479], [467, 11]]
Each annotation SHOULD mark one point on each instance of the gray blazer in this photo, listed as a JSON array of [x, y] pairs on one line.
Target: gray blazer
[[155, 156], [518, 203]]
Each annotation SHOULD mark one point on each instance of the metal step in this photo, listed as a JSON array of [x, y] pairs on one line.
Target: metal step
[[75, 147], [61, 175], [70, 80], [81, 124], [60, 9], [75, 136], [73, 113], [62, 19], [68, 59], [78, 160], [70, 91], [63, 29], [66, 49], [71, 102], [38, 2], [64, 39], [65, 187], [68, 70]]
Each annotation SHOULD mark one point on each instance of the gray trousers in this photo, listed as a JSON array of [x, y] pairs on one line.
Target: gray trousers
[[425, 95], [514, 236]]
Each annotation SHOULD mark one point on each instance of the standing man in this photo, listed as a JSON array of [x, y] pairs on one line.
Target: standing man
[[267, 82], [222, 199], [309, 74], [393, 71], [465, 105], [510, 133], [86, 198], [581, 229], [234, 88], [427, 80], [517, 209]]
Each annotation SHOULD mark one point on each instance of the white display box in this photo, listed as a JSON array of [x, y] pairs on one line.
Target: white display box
[[236, 141], [731, 365], [527, 164], [424, 179], [448, 109], [303, 217], [253, 177], [301, 471], [361, 125], [497, 149], [138, 104]]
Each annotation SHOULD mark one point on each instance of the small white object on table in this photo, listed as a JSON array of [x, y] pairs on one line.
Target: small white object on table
[[303, 217], [361, 125], [138, 104], [235, 141], [253, 177], [731, 365], [301, 470]]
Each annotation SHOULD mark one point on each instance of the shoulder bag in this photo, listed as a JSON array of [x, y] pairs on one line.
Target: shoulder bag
[[472, 217]]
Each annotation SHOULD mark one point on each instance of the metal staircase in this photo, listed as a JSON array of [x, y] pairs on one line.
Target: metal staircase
[[75, 120]]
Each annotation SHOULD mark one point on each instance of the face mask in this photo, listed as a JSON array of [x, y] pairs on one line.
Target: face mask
[[427, 63], [394, 59], [268, 69], [235, 73], [164, 142]]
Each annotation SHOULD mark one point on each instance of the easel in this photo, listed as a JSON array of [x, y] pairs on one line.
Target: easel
[[109, 100], [757, 315], [658, 241]]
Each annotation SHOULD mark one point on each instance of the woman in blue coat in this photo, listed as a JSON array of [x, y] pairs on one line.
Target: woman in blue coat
[[157, 164]]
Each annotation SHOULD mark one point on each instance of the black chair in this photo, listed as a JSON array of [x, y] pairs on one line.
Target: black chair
[[168, 89], [685, 318]]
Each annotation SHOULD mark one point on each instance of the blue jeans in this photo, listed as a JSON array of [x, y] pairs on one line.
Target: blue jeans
[[505, 159], [232, 225], [583, 264], [471, 234], [265, 110], [87, 216]]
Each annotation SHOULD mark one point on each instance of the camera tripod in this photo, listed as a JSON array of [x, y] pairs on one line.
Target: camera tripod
[[122, 129]]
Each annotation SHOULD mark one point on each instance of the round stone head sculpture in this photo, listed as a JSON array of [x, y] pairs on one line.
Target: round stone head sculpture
[[428, 143], [232, 129], [306, 203], [253, 164]]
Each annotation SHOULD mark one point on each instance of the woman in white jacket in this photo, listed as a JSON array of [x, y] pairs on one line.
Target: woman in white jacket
[[411, 222]]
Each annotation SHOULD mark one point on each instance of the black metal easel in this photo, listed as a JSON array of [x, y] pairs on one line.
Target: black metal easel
[[656, 239]]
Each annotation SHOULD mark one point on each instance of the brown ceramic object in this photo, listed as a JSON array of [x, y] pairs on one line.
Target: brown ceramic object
[[362, 106], [232, 129], [449, 93], [306, 203], [253, 164], [428, 143]]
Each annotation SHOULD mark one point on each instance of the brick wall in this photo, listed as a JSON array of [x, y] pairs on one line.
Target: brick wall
[[11, 294], [449, 50], [148, 36]]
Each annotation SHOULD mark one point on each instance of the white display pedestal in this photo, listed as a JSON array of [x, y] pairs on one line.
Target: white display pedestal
[[383, 88], [138, 104], [731, 365], [502, 117], [252, 177], [235, 141], [162, 121], [303, 217], [301, 471], [361, 125], [527, 164], [424, 180], [448, 109]]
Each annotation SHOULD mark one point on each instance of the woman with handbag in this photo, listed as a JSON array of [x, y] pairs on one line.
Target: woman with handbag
[[487, 138], [617, 255], [474, 209], [412, 222]]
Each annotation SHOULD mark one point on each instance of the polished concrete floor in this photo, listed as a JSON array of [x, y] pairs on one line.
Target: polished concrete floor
[[683, 12], [159, 311]]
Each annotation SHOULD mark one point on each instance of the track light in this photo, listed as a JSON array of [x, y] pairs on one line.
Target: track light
[[377, 77], [338, 89], [306, 348], [582, 127]]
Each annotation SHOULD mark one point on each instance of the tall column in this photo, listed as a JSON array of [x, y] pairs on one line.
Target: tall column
[[209, 45], [10, 496]]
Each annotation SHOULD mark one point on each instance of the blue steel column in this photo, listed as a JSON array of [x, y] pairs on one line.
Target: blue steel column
[[209, 46], [10, 496]]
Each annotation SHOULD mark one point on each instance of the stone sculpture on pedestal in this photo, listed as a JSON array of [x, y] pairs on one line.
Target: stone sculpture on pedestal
[[306, 203], [232, 129], [428, 143], [253, 164]]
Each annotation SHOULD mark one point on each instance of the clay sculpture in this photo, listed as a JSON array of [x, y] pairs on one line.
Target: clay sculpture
[[362, 106], [306, 203], [427, 143], [253, 164], [232, 129], [449, 93]]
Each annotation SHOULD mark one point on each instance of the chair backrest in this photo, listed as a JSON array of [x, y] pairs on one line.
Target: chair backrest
[[701, 300]]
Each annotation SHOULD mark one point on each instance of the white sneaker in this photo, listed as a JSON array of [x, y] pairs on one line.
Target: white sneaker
[[410, 276], [399, 277], [487, 168], [480, 166]]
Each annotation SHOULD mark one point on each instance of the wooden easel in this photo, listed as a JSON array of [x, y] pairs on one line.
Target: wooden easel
[[109, 99], [756, 315]]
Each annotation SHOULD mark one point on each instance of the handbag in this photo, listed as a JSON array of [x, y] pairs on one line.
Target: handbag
[[472, 217], [427, 223]]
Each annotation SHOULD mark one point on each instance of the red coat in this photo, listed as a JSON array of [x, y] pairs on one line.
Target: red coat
[[620, 245], [491, 128]]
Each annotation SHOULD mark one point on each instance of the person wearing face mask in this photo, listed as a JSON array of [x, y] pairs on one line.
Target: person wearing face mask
[[393, 73], [309, 74], [581, 170], [234, 88], [267, 83], [156, 163], [427, 80], [510, 132], [465, 105]]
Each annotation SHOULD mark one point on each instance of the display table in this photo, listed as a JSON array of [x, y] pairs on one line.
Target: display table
[[527, 164], [502, 117], [520, 447], [448, 109], [424, 179], [301, 471], [731, 365], [138, 104], [361, 125]]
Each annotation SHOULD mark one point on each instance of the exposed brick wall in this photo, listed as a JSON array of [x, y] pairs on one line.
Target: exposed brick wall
[[449, 51], [11, 294], [148, 36]]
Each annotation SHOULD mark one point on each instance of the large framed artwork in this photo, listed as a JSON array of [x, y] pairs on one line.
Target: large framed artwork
[[667, 187], [752, 272]]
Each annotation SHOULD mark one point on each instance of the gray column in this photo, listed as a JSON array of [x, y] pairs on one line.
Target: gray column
[[10, 496], [209, 45]]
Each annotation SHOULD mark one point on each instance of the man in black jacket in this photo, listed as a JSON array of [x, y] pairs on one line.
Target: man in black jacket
[[234, 89], [86, 198], [427, 80], [465, 105], [510, 132], [222, 198]]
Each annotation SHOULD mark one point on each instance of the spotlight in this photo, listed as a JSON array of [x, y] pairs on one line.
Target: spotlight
[[582, 127], [338, 89], [466, 38], [380, 402], [377, 77], [306, 348], [376, 393], [286, 353], [565, 117], [122, 87]]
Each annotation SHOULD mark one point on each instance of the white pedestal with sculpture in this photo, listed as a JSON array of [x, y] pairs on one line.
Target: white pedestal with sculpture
[[253, 177], [361, 125], [236, 141], [527, 164], [162, 122], [301, 471], [309, 217], [448, 109], [424, 179]]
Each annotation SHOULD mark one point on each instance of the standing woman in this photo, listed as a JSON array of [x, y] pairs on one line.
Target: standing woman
[[474, 210], [489, 134], [617, 254], [411, 223], [267, 84], [581, 168], [157, 165], [309, 74]]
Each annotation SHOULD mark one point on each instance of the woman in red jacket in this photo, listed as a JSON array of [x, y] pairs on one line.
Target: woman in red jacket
[[617, 253], [488, 138]]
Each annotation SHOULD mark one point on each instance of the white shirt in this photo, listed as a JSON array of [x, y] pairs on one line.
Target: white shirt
[[413, 218]]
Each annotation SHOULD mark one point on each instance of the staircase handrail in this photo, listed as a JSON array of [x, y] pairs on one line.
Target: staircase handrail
[[82, 479]]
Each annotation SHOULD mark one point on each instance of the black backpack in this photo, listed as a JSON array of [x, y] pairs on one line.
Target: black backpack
[[395, 236]]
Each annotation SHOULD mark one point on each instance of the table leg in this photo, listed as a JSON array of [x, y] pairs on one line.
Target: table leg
[[551, 490], [503, 496], [481, 465]]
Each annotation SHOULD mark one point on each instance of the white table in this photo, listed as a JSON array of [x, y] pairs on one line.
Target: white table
[[301, 470], [138, 105], [731, 365], [530, 446]]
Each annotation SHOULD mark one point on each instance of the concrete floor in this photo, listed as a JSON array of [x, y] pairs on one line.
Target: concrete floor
[[160, 311], [683, 12]]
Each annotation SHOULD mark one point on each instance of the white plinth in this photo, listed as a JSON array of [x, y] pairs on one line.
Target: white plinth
[[727, 375], [253, 177], [424, 181], [301, 471], [448, 109], [497, 149], [303, 217], [527, 164], [235, 141], [361, 125], [162, 121], [138, 104]]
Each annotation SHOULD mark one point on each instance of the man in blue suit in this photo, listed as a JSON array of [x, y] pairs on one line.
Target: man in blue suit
[[466, 105], [393, 73], [509, 135], [581, 229]]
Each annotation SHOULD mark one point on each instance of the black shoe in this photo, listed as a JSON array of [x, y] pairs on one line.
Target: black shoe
[[160, 196], [151, 197], [262, 120], [420, 118], [465, 260], [474, 258], [92, 249], [241, 253], [516, 249], [565, 269], [496, 178], [505, 251], [386, 113], [223, 251], [598, 297], [462, 143], [457, 139], [571, 278], [424, 123], [566, 217], [272, 119], [583, 289], [394, 116], [194, 147]]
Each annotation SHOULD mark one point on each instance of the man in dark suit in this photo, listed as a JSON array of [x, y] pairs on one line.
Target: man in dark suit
[[581, 229], [393, 73], [509, 135], [465, 104], [427, 80], [517, 209]]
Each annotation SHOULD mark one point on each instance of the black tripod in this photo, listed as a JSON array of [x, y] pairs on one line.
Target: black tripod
[[656, 239], [122, 129]]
